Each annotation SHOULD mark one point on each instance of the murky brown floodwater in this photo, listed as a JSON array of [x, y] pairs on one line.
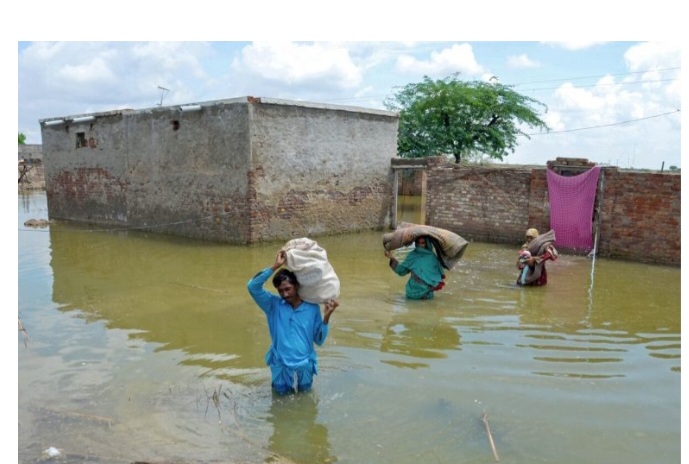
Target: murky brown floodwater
[[148, 348]]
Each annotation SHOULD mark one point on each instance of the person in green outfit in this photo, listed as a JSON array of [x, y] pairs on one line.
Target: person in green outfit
[[427, 274]]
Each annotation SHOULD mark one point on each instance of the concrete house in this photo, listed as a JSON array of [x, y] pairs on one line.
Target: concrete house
[[240, 170]]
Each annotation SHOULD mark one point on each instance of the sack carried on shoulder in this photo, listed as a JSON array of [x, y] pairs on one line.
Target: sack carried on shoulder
[[318, 281]]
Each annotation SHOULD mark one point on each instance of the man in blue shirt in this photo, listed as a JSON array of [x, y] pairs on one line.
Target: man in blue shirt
[[294, 325]]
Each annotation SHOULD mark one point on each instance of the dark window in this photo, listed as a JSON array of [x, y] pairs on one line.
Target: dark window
[[81, 140]]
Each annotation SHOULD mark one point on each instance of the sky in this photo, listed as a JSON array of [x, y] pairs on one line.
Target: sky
[[611, 102]]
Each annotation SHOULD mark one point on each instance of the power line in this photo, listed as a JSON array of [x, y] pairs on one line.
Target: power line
[[606, 125], [598, 76], [606, 84]]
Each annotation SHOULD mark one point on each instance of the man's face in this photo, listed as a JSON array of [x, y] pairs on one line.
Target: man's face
[[287, 291]]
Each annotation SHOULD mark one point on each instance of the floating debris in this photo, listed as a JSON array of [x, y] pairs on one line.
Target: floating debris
[[37, 223], [52, 452]]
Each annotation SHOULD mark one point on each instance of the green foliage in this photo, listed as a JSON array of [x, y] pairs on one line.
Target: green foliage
[[22, 139], [462, 118]]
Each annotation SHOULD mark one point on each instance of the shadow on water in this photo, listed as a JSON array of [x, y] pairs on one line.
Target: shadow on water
[[147, 347]]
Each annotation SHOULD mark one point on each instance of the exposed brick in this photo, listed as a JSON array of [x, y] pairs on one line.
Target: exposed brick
[[641, 212]]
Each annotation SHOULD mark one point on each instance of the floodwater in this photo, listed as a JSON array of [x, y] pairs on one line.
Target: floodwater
[[147, 348]]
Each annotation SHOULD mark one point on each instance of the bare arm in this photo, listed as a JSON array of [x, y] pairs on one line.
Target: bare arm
[[279, 260], [330, 307], [391, 257]]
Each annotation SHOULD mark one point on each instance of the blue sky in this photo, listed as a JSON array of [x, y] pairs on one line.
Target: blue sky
[[610, 102]]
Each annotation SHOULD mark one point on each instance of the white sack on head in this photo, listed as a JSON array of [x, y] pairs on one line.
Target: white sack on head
[[318, 282]]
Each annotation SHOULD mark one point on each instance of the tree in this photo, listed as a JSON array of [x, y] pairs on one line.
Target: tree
[[22, 139], [461, 118]]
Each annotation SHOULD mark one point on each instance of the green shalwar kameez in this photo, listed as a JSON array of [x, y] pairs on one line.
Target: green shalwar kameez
[[426, 273]]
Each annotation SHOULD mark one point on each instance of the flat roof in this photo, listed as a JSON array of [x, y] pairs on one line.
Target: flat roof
[[229, 101]]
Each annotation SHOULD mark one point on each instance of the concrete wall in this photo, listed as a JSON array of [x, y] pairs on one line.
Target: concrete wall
[[640, 211], [239, 171], [30, 152], [317, 172]]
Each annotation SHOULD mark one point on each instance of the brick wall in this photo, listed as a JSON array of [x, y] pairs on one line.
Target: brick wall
[[640, 211], [482, 204], [641, 217]]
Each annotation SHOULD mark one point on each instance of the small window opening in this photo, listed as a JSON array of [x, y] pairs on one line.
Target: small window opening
[[81, 140]]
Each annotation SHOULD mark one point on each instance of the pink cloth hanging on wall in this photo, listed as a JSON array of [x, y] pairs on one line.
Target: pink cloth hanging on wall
[[571, 208]]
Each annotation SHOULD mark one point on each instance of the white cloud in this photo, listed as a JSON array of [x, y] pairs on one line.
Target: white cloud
[[571, 97], [609, 102], [95, 70], [114, 73], [457, 58], [295, 64], [522, 61], [553, 120], [171, 56], [618, 121], [653, 55], [46, 50], [673, 92], [575, 44]]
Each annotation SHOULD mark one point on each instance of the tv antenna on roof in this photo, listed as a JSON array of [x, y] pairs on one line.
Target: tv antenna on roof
[[162, 94]]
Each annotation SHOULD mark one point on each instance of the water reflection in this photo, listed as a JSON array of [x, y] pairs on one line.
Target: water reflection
[[425, 338], [409, 209], [176, 293], [297, 434]]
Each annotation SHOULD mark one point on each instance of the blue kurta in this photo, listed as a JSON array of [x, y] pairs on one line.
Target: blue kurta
[[293, 331]]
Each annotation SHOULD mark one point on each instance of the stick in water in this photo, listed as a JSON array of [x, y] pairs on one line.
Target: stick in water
[[490, 436]]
